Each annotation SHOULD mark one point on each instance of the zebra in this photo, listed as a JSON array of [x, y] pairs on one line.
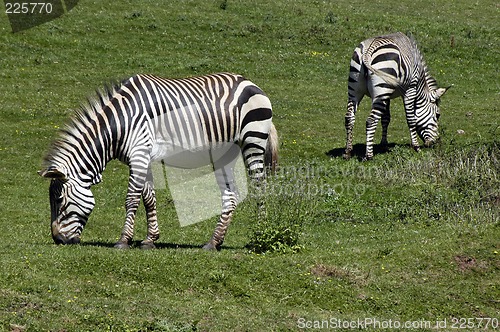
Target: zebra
[[384, 68], [147, 118]]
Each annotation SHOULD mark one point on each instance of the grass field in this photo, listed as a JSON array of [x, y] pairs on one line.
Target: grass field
[[405, 237]]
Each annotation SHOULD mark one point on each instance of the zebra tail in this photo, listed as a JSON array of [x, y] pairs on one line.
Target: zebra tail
[[388, 78], [271, 156]]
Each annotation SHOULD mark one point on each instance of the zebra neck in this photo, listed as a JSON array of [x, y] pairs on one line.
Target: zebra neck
[[81, 173], [81, 154], [421, 80]]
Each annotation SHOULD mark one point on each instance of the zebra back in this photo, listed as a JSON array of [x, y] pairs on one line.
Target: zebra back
[[190, 114], [394, 47]]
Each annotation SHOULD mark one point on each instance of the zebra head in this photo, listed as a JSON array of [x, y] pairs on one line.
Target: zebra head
[[427, 127], [70, 205]]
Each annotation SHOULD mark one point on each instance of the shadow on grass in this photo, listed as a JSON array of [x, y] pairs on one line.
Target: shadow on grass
[[161, 245], [189, 246], [359, 150]]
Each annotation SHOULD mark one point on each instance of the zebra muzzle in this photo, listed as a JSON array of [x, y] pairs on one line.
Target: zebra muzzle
[[60, 239]]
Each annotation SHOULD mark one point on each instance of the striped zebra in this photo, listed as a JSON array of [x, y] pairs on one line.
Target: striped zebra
[[384, 68], [188, 123]]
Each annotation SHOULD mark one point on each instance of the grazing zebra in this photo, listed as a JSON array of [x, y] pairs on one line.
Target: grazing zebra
[[384, 68], [187, 123]]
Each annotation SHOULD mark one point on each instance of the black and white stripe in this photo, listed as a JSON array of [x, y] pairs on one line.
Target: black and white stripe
[[184, 122], [384, 68]]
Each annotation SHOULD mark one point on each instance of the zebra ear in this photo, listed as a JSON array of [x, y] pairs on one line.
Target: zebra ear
[[53, 172], [441, 91], [436, 94]]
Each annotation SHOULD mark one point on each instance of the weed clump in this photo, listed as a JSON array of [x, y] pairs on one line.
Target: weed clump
[[288, 203]]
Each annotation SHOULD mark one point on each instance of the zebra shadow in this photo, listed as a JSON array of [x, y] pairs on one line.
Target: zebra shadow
[[359, 150], [160, 245], [189, 246]]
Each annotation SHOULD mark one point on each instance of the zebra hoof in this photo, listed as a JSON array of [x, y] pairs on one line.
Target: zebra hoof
[[147, 245], [122, 245], [367, 158], [211, 247], [346, 155]]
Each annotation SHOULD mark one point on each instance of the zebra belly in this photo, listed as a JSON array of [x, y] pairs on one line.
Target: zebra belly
[[217, 154]]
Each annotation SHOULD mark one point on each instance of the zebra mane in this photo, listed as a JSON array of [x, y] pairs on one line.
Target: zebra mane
[[79, 121], [431, 81], [419, 59], [95, 103]]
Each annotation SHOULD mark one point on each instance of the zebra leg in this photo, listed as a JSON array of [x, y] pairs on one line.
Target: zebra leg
[[411, 120], [225, 179], [131, 205], [386, 119], [356, 89], [371, 126], [350, 117], [414, 139], [149, 200], [137, 178]]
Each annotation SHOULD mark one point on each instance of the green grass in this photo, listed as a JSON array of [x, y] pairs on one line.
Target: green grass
[[407, 236]]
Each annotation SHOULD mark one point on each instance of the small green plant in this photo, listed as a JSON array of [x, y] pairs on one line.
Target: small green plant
[[223, 5], [271, 236], [330, 18], [291, 199]]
